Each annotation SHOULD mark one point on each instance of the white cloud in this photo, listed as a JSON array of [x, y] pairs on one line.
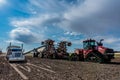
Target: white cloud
[[112, 40], [63, 39], [90, 17], [33, 27], [72, 33], [108, 39], [56, 6], [86, 17], [38, 21], [93, 16], [25, 35], [13, 41], [78, 42], [2, 2]]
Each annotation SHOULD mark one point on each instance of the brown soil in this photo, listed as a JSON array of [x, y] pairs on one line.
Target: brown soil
[[48, 69]]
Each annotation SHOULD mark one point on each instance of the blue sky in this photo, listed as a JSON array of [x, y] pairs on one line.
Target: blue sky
[[32, 21]]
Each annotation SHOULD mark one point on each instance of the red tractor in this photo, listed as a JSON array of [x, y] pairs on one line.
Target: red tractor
[[94, 52]]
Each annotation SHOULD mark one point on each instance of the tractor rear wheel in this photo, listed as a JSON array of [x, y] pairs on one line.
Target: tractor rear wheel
[[107, 60], [95, 57]]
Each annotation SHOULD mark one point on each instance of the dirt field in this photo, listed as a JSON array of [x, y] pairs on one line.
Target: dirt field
[[46, 69]]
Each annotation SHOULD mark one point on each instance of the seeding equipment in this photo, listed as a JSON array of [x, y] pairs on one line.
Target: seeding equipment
[[62, 49], [48, 50]]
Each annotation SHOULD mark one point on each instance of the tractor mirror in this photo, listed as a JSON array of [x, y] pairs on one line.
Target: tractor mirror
[[101, 40], [42, 43]]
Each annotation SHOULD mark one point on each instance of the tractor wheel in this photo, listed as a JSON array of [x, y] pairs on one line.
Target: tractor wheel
[[107, 60], [95, 57], [74, 57], [81, 57]]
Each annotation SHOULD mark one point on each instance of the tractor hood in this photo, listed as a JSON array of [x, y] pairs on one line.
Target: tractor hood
[[105, 50]]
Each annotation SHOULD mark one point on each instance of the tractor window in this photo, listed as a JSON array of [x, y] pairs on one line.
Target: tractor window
[[85, 45], [88, 44], [92, 43]]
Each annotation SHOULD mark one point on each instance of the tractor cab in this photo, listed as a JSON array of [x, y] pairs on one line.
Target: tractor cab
[[89, 44]]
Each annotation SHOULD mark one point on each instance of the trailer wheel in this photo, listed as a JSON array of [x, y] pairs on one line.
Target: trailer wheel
[[74, 57], [54, 56], [66, 56], [35, 54]]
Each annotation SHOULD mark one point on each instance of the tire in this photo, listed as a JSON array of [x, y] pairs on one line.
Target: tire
[[81, 57], [54, 56], [74, 57], [66, 56], [35, 55], [95, 57], [25, 61], [107, 60]]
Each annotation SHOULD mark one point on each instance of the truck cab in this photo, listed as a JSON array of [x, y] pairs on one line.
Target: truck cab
[[15, 53]]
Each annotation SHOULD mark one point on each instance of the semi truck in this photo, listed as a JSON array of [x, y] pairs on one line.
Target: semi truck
[[15, 53]]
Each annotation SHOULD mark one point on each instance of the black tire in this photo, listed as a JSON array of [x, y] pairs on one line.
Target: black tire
[[74, 57], [95, 57], [54, 56], [10, 61], [66, 56], [107, 60], [25, 61], [35, 54], [81, 57]]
